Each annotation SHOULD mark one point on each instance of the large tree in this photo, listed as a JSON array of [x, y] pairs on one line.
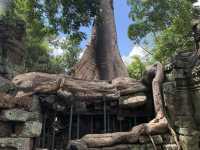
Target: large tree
[[167, 21], [101, 59]]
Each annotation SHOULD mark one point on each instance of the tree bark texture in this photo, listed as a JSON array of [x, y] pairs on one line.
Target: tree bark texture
[[43, 83], [101, 59]]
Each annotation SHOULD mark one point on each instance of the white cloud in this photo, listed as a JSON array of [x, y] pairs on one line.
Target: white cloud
[[136, 51], [81, 54], [57, 51], [197, 4]]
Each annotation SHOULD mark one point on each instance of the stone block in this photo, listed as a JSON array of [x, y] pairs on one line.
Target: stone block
[[16, 144], [183, 105], [18, 115], [168, 139], [184, 122], [187, 131], [189, 142], [133, 102], [35, 107], [5, 129], [28, 129], [195, 94], [170, 147], [6, 85], [156, 138], [148, 147], [179, 74]]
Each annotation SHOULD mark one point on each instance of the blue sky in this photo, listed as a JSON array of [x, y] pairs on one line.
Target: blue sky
[[122, 23]]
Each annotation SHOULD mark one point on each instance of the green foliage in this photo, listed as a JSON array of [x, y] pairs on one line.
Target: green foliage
[[71, 53], [66, 15], [42, 24], [168, 20], [170, 42], [136, 68]]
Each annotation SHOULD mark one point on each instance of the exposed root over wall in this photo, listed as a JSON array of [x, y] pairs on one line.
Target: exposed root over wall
[[158, 125]]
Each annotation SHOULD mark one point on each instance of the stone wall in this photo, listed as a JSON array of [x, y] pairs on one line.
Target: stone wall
[[19, 128], [182, 99], [22, 128], [11, 45]]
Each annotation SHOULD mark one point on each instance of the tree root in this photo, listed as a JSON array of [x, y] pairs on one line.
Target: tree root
[[158, 125]]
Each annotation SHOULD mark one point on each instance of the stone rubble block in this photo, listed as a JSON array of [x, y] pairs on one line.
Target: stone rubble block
[[187, 131], [128, 147], [185, 122], [29, 129], [5, 84], [179, 74], [142, 147], [189, 142], [18, 115], [156, 138], [170, 147], [16, 143], [5, 129], [168, 139], [133, 102], [182, 103]]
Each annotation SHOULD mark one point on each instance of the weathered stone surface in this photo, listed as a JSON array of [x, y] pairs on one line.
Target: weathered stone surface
[[185, 122], [168, 139], [8, 148], [35, 107], [179, 74], [170, 147], [134, 101], [6, 85], [195, 94], [16, 143], [183, 103], [189, 142], [5, 129], [187, 131], [18, 115], [14, 115], [29, 129], [156, 138], [169, 90]]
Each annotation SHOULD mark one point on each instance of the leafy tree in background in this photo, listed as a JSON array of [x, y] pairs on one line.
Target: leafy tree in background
[[65, 16], [44, 21], [136, 68], [168, 21], [71, 53]]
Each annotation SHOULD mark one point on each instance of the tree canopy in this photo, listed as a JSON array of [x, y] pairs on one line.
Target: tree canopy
[[44, 22], [136, 68], [64, 15], [169, 22]]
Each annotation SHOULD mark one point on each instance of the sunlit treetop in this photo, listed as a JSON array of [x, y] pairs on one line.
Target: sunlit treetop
[[65, 15], [155, 16]]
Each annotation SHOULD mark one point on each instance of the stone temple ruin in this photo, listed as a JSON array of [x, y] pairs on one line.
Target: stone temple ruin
[[40, 111]]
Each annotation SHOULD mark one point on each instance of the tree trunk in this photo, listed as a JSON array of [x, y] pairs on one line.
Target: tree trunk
[[101, 59]]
